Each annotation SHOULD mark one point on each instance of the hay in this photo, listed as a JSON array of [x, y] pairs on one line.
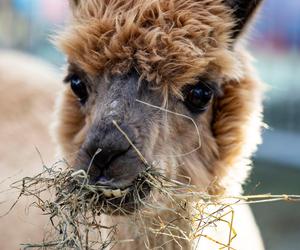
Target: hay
[[74, 208], [74, 205]]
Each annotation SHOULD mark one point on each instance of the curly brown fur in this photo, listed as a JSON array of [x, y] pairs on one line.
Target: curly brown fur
[[170, 43]]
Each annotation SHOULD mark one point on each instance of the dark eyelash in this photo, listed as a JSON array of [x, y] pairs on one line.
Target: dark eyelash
[[215, 88], [68, 78]]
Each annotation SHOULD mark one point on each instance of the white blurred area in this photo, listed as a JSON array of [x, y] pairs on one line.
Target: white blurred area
[[28, 87]]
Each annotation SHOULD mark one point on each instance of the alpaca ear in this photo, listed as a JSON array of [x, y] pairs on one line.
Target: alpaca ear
[[74, 4], [243, 11]]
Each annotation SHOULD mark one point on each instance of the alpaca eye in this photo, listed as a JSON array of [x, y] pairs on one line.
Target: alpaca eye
[[198, 97], [79, 88]]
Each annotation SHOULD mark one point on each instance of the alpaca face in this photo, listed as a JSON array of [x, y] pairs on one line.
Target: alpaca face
[[148, 84], [119, 121]]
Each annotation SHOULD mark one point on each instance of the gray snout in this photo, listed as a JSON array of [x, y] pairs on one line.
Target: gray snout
[[109, 158]]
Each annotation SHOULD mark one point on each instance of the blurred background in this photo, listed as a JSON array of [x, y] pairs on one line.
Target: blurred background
[[27, 25]]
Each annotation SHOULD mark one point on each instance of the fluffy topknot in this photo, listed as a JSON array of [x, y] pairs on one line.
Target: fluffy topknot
[[170, 43]]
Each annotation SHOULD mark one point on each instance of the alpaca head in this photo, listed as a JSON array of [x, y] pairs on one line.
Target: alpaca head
[[162, 81]]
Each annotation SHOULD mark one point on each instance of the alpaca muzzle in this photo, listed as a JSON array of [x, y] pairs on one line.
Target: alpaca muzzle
[[108, 157]]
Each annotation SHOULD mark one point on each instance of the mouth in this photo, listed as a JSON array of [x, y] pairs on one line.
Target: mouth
[[112, 201], [123, 201], [114, 193]]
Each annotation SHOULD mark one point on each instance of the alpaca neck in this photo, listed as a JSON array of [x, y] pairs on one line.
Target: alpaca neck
[[141, 233]]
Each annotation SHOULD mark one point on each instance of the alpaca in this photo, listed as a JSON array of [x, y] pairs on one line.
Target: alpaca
[[148, 66], [28, 87]]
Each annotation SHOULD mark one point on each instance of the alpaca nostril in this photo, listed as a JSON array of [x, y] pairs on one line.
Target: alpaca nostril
[[101, 162], [104, 158]]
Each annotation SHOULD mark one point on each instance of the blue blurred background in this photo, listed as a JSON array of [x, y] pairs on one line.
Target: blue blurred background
[[275, 43]]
